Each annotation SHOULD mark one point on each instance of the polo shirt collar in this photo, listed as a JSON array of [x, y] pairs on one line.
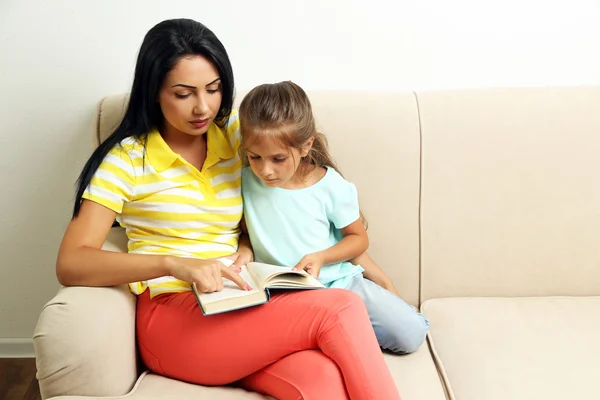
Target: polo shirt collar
[[162, 157]]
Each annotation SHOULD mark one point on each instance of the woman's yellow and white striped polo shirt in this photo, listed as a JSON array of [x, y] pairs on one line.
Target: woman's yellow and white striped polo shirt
[[169, 207]]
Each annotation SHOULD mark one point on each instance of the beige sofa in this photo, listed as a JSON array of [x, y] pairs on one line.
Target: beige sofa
[[484, 207]]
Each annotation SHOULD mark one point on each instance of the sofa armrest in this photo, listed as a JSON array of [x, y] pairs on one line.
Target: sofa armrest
[[85, 340]]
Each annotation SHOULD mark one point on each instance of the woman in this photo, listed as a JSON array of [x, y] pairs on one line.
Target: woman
[[170, 174]]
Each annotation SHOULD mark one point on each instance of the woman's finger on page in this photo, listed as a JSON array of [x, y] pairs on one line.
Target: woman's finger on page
[[236, 278], [218, 279]]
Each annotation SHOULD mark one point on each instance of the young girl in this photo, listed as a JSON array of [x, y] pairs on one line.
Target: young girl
[[301, 212]]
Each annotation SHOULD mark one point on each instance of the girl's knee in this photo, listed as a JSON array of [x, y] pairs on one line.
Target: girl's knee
[[405, 339], [410, 344]]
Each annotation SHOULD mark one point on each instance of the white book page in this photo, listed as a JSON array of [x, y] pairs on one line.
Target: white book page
[[263, 272]]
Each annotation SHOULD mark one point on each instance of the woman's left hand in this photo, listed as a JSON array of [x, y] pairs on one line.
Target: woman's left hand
[[242, 257]]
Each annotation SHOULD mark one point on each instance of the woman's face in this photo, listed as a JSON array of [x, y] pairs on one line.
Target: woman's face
[[190, 97]]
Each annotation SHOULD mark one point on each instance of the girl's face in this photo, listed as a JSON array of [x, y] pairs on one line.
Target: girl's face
[[276, 165], [190, 97]]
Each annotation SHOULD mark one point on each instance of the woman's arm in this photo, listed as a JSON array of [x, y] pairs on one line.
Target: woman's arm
[[82, 262], [354, 243]]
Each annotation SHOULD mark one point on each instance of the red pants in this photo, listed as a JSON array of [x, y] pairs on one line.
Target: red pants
[[312, 344]]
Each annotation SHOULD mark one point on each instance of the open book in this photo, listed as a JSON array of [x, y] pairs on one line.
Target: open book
[[261, 277]]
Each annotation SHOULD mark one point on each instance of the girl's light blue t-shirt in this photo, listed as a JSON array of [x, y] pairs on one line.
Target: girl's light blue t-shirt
[[285, 225]]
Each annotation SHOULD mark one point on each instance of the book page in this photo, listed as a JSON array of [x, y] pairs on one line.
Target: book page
[[230, 289], [266, 275], [262, 271], [294, 281]]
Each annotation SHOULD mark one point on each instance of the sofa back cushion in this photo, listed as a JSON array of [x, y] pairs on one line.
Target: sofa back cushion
[[510, 192]]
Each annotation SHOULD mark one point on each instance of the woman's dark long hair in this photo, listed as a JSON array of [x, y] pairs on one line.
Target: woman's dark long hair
[[163, 46]]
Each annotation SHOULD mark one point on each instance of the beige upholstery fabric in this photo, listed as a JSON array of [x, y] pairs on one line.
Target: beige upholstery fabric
[[88, 332], [110, 112], [116, 240], [519, 349], [85, 343], [415, 376], [155, 387], [374, 137], [510, 192]]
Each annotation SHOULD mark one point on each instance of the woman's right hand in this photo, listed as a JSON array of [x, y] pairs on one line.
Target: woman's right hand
[[206, 274]]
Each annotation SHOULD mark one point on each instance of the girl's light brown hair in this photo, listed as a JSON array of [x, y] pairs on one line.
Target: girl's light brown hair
[[283, 112]]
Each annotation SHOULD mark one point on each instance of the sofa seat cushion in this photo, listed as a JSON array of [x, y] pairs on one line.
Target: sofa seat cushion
[[517, 348], [154, 387], [415, 375]]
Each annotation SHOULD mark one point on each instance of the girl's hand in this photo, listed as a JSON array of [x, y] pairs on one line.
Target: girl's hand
[[242, 257], [206, 274], [310, 263]]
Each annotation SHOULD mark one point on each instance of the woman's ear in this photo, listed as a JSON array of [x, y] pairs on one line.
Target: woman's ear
[[307, 146]]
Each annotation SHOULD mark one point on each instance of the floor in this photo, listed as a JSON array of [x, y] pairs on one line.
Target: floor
[[17, 379]]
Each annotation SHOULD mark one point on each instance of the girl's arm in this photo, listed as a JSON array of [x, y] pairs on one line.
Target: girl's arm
[[374, 273], [354, 243], [82, 262], [377, 275]]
